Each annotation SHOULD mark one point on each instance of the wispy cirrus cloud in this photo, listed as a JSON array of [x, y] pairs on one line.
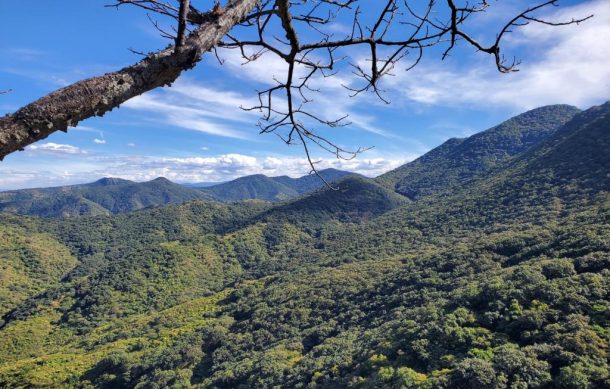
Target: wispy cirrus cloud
[[84, 129], [199, 108], [565, 65], [24, 53]]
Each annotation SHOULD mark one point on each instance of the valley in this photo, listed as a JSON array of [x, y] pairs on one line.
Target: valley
[[482, 264]]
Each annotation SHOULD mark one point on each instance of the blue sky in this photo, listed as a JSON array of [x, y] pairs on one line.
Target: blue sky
[[195, 130]]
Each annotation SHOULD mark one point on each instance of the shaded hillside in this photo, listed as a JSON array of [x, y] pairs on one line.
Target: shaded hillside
[[352, 199], [272, 189], [459, 160], [105, 196], [566, 173]]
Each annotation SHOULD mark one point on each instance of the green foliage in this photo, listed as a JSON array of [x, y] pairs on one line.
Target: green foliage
[[458, 161], [500, 283], [30, 262]]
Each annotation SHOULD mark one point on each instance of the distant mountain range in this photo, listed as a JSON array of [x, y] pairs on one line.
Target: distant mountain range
[[105, 196], [273, 189], [455, 162], [115, 195]]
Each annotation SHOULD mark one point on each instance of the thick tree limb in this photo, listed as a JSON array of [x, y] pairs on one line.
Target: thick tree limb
[[95, 96], [393, 31]]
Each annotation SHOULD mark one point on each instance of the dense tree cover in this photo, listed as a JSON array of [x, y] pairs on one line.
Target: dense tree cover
[[460, 160], [500, 282]]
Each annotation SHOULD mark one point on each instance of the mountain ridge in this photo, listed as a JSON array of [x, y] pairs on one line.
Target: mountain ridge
[[461, 159], [274, 189], [111, 195], [102, 197]]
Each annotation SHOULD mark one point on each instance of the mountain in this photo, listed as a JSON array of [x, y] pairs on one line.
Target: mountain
[[105, 196], [567, 170], [114, 195], [273, 189], [311, 182], [564, 175], [500, 282], [256, 186], [351, 199], [459, 160]]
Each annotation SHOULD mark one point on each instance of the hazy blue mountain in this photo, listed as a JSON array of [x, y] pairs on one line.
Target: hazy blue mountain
[[105, 196], [459, 160], [114, 195], [311, 182], [257, 186]]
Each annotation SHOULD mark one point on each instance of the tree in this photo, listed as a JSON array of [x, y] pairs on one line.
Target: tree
[[392, 31]]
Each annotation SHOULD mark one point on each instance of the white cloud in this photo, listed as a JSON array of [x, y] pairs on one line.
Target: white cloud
[[56, 148], [218, 168], [99, 141], [263, 70], [131, 144], [204, 148], [15, 178], [568, 65], [195, 107], [84, 128], [24, 54], [38, 75], [230, 166]]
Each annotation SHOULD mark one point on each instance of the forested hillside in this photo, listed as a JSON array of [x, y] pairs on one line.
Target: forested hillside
[[459, 160], [496, 276], [103, 197]]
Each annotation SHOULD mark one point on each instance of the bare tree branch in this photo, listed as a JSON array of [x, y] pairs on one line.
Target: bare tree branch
[[398, 31], [300, 33], [182, 16], [66, 107]]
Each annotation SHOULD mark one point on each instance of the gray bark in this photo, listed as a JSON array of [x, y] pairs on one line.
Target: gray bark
[[95, 96]]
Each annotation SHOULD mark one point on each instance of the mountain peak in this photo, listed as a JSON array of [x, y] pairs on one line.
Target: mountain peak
[[355, 198], [262, 187], [458, 161], [161, 180], [110, 181]]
